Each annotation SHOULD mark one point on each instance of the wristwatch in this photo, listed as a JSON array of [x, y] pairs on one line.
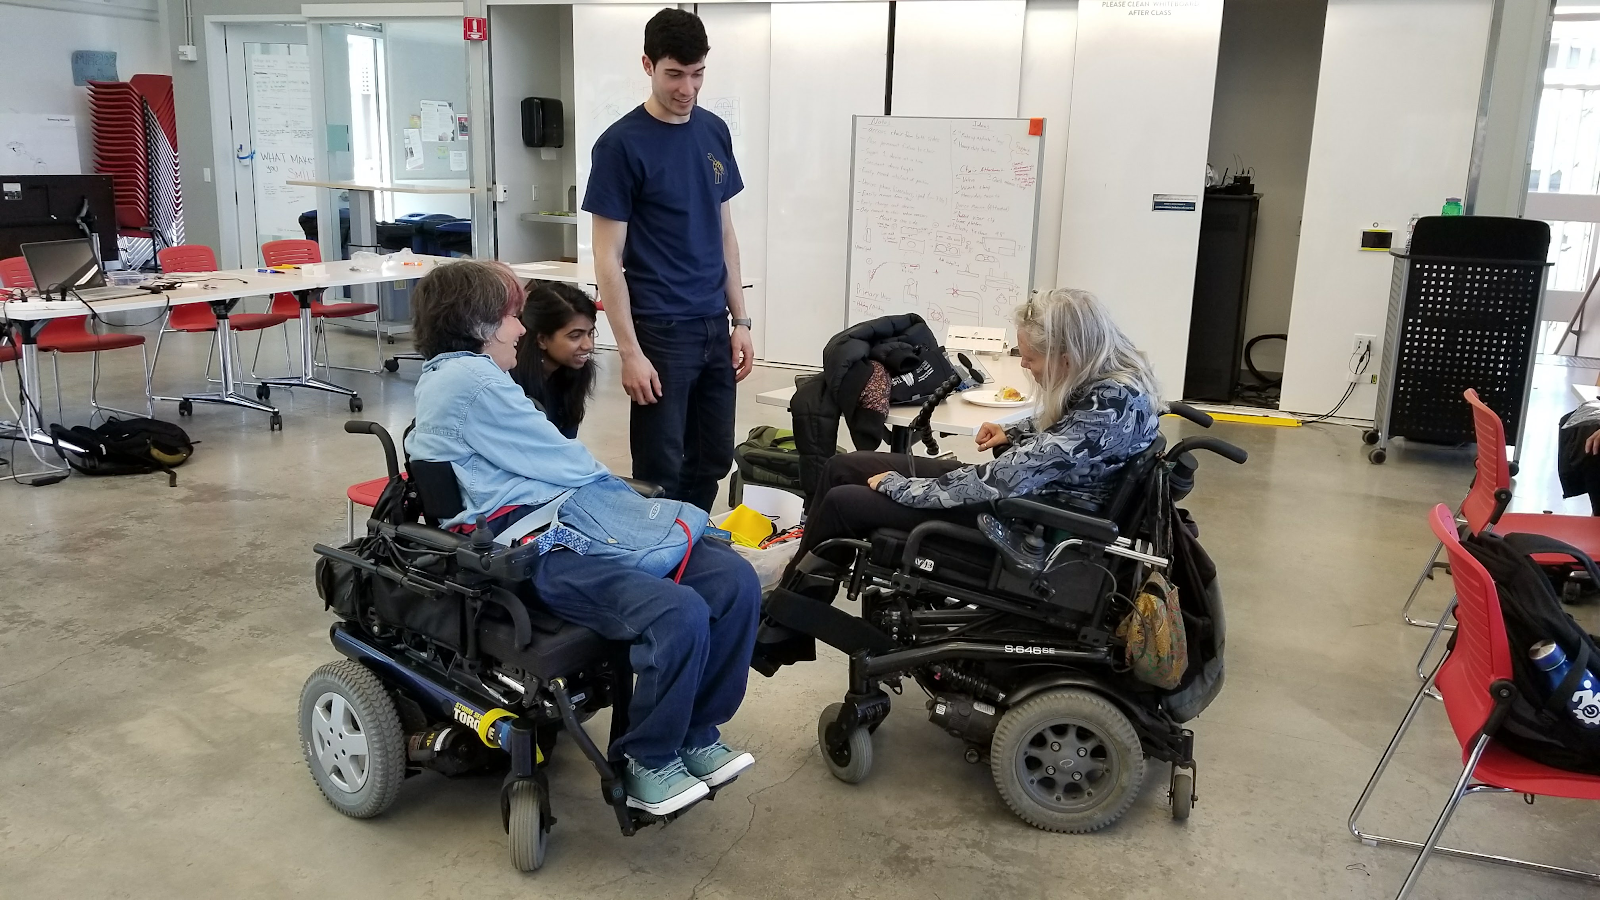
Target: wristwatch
[[745, 322]]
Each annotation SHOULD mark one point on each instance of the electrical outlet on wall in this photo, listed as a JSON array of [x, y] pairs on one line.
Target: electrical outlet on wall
[[1363, 347]]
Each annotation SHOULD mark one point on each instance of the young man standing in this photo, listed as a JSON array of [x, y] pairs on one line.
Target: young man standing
[[667, 262]]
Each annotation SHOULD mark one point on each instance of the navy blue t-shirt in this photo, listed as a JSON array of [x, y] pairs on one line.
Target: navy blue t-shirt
[[668, 182]]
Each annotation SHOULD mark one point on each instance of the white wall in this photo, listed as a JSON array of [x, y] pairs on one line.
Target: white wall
[[1141, 115], [36, 51], [1265, 100], [930, 34], [1049, 42], [737, 85], [828, 64], [1376, 156], [608, 81]]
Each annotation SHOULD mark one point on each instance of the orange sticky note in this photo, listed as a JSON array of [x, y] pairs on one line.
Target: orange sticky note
[[1035, 127]]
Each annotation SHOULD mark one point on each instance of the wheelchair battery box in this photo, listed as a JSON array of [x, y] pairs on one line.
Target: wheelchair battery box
[[1079, 583]]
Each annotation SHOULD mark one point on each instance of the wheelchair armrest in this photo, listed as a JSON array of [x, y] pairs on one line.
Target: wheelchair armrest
[[647, 489], [432, 538], [1100, 531], [935, 526]]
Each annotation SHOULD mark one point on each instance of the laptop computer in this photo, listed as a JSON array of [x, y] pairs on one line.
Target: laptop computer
[[70, 269]]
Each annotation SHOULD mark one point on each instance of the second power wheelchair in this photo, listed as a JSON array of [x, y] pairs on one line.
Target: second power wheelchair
[[451, 663], [1011, 632]]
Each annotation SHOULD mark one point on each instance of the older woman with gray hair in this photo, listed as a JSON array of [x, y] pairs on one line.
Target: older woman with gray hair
[[1097, 408]]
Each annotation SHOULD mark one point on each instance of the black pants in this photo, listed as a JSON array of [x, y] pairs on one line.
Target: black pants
[[684, 441], [844, 507]]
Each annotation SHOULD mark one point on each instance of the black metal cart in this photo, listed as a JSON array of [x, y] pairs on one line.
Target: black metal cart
[[1463, 313]]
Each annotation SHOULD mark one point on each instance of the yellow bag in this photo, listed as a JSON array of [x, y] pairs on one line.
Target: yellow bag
[[747, 526], [1158, 646]]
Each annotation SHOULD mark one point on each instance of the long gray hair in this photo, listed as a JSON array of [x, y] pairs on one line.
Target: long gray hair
[[1081, 345]]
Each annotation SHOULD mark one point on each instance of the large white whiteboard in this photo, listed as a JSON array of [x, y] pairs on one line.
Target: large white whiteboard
[[942, 216], [280, 131], [35, 144]]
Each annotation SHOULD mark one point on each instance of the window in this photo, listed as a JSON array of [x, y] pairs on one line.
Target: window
[[1574, 57], [369, 142]]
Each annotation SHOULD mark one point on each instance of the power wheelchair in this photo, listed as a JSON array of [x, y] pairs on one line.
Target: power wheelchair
[[451, 663], [1011, 632]]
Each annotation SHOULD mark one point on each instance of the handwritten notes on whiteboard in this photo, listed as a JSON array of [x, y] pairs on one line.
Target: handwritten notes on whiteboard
[[280, 127], [942, 218]]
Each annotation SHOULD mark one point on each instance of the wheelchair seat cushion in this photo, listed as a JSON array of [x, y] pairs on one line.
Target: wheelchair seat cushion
[[564, 651]]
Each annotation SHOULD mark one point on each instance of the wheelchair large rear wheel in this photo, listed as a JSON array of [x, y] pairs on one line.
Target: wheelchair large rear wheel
[[351, 738], [525, 831], [1067, 761]]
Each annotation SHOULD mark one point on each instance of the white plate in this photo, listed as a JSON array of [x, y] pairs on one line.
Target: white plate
[[981, 397]]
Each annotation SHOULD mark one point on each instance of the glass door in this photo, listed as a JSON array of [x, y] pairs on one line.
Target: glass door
[[269, 88]]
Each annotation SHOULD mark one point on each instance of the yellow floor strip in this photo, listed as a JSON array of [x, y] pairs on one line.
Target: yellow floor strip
[[1281, 421]]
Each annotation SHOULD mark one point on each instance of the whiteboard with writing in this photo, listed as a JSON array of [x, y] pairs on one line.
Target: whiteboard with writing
[[942, 215], [280, 125]]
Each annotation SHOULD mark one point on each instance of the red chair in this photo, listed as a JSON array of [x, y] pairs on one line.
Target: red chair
[[71, 334], [1485, 508], [1474, 678], [364, 494], [197, 318], [298, 252]]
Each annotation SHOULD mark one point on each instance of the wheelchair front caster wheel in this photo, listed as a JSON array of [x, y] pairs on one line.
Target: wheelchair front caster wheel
[[1377, 456], [351, 739], [275, 423], [263, 393], [1182, 795], [1067, 761], [1369, 437], [355, 404], [851, 763], [185, 408], [525, 827], [391, 365]]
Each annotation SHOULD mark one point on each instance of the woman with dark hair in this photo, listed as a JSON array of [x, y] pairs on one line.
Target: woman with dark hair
[[555, 365], [601, 546]]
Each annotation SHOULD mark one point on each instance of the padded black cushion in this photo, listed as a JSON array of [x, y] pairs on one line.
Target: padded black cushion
[[559, 648]]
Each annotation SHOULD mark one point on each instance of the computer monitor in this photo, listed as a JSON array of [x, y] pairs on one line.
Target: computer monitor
[[57, 266]]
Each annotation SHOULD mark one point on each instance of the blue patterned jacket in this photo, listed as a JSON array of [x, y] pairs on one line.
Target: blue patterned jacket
[[1104, 426]]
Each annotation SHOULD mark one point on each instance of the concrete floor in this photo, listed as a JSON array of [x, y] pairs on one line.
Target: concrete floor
[[153, 642]]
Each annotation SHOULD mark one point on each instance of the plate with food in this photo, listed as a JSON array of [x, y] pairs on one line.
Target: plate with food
[[1004, 397]]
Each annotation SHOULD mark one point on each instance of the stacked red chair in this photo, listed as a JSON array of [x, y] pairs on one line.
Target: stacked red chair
[[136, 143]]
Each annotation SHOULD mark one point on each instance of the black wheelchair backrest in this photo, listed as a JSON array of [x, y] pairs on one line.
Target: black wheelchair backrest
[[1130, 489], [436, 489]]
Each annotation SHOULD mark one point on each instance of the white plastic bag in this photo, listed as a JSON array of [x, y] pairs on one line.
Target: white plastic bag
[[784, 509]]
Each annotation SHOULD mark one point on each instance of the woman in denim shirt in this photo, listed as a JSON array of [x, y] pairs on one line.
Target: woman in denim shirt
[[1096, 408], [691, 640]]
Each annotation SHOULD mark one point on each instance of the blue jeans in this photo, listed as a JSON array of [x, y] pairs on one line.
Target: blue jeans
[[691, 641], [684, 441]]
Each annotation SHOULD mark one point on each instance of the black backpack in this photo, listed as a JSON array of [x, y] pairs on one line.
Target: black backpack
[[1538, 724], [125, 447]]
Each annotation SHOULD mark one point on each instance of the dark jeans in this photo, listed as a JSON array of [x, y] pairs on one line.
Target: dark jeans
[[691, 641], [844, 507], [684, 441]]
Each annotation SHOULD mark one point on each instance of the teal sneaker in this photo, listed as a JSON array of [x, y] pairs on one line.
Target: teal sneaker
[[661, 791], [717, 764]]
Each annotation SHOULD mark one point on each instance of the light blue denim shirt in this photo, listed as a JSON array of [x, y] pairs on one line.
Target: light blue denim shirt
[[502, 448]]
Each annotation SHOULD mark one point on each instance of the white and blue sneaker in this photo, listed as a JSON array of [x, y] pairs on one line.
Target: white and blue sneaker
[[717, 764], [664, 790]]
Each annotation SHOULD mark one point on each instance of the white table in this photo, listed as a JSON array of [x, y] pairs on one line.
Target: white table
[[363, 213], [222, 291], [955, 415]]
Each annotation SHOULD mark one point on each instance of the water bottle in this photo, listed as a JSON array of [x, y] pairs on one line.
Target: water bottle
[[1584, 703], [1452, 207]]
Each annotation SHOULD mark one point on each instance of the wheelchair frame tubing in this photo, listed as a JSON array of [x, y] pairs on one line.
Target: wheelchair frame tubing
[[436, 699]]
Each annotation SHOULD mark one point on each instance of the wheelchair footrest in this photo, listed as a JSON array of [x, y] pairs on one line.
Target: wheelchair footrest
[[826, 623]]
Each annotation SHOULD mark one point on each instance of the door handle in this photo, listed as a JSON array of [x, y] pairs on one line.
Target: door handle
[[243, 156]]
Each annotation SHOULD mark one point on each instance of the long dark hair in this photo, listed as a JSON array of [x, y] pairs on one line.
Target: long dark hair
[[551, 305]]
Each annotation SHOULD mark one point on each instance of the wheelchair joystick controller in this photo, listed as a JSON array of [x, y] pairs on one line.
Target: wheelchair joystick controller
[[482, 540], [1023, 549]]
